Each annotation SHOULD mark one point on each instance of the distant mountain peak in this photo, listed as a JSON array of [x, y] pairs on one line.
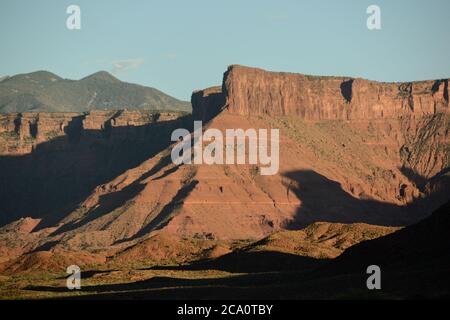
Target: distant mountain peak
[[102, 75], [42, 73], [45, 91], [37, 76]]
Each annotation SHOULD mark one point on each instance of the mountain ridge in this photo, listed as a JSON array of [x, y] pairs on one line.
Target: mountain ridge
[[45, 91]]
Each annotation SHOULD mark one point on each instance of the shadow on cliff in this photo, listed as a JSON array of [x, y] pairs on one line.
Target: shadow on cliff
[[166, 212], [434, 188], [414, 262], [112, 201], [57, 175], [424, 184], [423, 245], [324, 200]]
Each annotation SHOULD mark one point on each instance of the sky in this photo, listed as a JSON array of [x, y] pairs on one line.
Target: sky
[[178, 46]]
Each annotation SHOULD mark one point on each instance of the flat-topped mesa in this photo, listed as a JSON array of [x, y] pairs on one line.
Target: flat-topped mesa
[[251, 91]]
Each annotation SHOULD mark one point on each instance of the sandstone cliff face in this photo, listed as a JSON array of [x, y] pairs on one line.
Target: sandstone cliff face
[[208, 103], [255, 91], [54, 160], [413, 116], [350, 151], [21, 132]]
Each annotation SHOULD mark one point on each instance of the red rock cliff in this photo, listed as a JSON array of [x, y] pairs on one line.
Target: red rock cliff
[[255, 91], [21, 132]]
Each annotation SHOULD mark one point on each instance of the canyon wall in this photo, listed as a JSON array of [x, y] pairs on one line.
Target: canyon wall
[[251, 91], [51, 161], [208, 103], [410, 118], [351, 151], [20, 133]]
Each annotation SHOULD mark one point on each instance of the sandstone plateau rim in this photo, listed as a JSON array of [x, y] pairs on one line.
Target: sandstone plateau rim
[[328, 77]]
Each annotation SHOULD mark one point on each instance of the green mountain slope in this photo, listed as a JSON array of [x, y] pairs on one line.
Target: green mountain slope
[[45, 91]]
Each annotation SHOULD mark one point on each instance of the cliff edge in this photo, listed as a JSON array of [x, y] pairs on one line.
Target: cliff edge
[[252, 91]]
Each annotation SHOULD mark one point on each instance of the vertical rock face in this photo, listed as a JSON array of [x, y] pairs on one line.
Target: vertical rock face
[[412, 115], [208, 102], [255, 91], [52, 159], [21, 132], [351, 150]]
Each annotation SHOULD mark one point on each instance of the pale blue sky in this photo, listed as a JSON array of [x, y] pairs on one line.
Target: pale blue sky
[[180, 46]]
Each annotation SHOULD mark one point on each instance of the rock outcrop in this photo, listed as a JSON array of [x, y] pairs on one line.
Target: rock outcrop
[[412, 115], [208, 103], [20, 133], [351, 151], [251, 91], [54, 159]]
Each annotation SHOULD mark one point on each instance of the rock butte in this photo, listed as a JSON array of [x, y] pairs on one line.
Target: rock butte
[[251, 91], [351, 151]]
